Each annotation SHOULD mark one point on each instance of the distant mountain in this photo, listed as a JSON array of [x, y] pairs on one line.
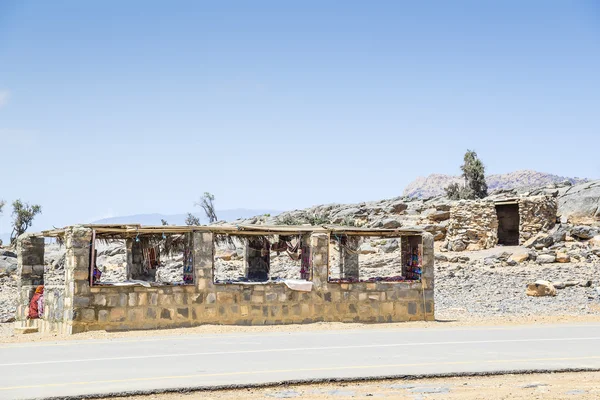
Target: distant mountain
[[433, 185], [179, 219]]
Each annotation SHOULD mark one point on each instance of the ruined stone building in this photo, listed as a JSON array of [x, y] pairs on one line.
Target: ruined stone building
[[77, 299], [483, 224]]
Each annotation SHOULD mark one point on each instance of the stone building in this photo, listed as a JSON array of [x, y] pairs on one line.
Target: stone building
[[76, 302], [483, 224]]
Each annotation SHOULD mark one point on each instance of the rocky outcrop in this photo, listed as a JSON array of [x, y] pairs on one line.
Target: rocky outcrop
[[431, 215], [433, 185], [580, 204]]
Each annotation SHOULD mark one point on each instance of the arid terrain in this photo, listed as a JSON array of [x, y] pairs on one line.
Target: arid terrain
[[558, 386]]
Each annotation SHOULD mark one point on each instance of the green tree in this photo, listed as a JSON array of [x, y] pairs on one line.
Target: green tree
[[23, 215], [207, 204], [473, 172], [191, 219]]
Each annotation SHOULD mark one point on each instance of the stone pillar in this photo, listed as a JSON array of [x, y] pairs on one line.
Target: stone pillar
[[77, 310], [319, 251], [428, 275], [135, 260], [348, 260], [203, 260], [30, 271]]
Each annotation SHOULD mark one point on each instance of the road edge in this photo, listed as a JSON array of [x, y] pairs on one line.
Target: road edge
[[407, 377]]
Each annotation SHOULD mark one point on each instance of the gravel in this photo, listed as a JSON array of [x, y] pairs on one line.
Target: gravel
[[476, 290]]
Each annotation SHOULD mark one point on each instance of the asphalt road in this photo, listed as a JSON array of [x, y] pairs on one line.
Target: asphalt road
[[48, 369]]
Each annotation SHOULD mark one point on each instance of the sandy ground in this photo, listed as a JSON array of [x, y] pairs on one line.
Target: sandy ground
[[7, 335], [579, 385]]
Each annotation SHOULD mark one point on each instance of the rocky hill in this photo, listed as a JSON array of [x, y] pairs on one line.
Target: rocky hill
[[433, 185]]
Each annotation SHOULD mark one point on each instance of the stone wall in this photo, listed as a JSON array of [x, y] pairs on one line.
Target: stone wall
[[473, 226], [536, 214], [30, 271], [135, 307]]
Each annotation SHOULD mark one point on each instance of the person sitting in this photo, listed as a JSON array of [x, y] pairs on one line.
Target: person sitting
[[97, 275], [36, 305]]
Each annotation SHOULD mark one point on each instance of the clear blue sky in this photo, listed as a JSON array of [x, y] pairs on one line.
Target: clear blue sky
[[125, 107]]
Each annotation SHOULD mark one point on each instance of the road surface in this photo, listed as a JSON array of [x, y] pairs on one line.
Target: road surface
[[76, 368]]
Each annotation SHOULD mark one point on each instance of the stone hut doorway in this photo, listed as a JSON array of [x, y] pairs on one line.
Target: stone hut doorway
[[508, 223]]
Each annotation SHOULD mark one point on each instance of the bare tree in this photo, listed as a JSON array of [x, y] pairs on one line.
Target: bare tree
[[164, 222], [207, 204], [23, 215], [2, 203], [191, 219]]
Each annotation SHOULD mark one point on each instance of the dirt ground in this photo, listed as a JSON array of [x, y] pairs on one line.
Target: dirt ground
[[577, 385], [7, 335]]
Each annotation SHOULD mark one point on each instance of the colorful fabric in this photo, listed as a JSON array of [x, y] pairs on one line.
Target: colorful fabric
[[33, 306]]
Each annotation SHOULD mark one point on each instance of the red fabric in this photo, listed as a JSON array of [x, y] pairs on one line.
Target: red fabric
[[33, 306]]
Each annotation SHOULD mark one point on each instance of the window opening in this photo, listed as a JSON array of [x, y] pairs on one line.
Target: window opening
[[354, 258], [263, 258], [157, 259]]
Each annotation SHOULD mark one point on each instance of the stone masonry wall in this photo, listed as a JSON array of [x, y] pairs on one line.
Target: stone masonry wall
[[54, 293], [86, 308], [30, 271], [473, 226], [536, 214], [124, 308]]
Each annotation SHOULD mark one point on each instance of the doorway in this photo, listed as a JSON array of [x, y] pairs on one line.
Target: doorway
[[508, 224]]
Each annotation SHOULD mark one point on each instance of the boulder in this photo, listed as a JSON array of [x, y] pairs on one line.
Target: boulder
[[439, 216], [391, 223], [8, 253], [390, 246], [366, 248], [457, 245], [505, 255], [491, 261], [583, 232], [532, 255], [546, 258], [398, 207], [543, 241], [580, 204], [595, 242], [8, 266], [540, 288], [437, 230], [559, 236], [520, 257], [562, 257], [440, 257], [460, 259]]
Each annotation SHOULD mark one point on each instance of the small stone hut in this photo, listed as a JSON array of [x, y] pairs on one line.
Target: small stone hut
[[75, 302], [483, 224]]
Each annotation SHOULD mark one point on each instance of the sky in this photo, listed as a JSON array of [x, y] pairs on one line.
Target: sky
[[112, 108]]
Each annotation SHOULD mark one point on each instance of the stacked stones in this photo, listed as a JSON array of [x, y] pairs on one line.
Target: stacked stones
[[536, 214], [133, 307], [473, 226], [30, 270]]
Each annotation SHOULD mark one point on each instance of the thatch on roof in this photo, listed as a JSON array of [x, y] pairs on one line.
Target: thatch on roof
[[128, 231]]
